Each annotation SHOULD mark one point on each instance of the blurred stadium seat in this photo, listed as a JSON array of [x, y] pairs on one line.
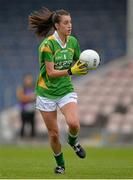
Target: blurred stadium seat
[[106, 100], [99, 25]]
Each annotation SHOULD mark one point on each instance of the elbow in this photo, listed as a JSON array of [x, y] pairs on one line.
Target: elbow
[[50, 73]]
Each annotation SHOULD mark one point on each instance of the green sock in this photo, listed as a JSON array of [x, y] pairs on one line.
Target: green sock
[[72, 139], [59, 159]]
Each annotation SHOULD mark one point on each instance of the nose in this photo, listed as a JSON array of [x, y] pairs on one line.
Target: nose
[[70, 25]]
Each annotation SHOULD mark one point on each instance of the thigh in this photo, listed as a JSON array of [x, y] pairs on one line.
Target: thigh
[[32, 119], [50, 119], [70, 111], [24, 116]]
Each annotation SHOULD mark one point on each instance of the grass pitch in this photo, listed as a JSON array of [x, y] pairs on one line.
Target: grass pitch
[[38, 163]]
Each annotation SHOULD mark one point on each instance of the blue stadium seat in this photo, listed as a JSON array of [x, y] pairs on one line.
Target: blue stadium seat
[[99, 25]]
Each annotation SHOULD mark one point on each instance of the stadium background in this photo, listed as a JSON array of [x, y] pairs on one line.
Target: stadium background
[[105, 95], [98, 25]]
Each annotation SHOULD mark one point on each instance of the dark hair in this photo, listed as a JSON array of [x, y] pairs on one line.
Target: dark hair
[[43, 21]]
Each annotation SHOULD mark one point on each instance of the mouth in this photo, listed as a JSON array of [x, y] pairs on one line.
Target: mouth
[[69, 30]]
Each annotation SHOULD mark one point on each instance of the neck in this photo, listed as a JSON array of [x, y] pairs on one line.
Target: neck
[[63, 38]]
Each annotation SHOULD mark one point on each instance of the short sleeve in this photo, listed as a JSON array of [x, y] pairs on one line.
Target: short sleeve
[[76, 51], [46, 52]]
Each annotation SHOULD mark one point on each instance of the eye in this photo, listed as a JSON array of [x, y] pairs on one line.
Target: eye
[[66, 22]]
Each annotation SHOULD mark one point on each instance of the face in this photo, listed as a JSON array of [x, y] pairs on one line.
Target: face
[[28, 80], [64, 27]]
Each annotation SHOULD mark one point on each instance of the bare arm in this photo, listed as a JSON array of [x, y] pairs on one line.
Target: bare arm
[[53, 72], [22, 97]]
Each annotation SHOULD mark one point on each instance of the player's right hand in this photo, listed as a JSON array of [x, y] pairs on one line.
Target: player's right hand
[[78, 68]]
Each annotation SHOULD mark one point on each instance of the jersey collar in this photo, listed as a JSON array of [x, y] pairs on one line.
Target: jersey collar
[[58, 39]]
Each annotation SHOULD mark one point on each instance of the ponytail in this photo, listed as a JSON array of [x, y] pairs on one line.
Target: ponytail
[[42, 22]]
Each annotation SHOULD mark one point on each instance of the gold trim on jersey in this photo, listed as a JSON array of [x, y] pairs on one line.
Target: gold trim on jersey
[[41, 82], [47, 76], [71, 50], [56, 52], [46, 49], [51, 37]]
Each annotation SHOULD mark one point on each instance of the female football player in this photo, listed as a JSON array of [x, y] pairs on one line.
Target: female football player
[[59, 59]]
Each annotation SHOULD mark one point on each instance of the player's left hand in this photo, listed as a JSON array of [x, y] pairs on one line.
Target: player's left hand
[[78, 68]]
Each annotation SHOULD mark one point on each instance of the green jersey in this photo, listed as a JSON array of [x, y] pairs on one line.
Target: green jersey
[[63, 57]]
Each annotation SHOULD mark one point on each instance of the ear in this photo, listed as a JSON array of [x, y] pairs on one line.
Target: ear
[[57, 26]]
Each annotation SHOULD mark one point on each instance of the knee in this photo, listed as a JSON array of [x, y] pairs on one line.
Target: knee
[[74, 126], [53, 135]]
